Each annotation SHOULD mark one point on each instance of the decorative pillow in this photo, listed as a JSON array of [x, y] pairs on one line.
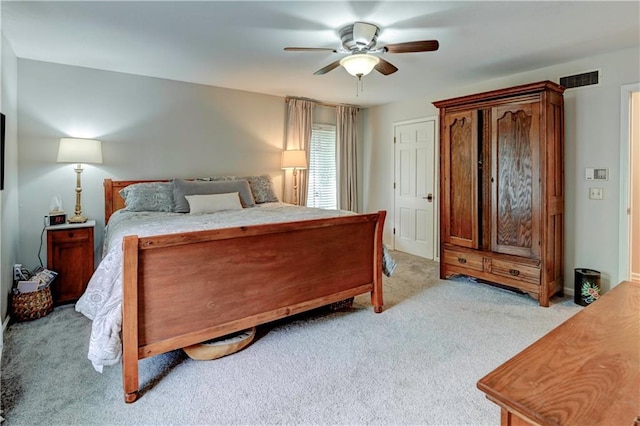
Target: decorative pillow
[[213, 202], [262, 189], [261, 186], [148, 197], [217, 178], [182, 187]]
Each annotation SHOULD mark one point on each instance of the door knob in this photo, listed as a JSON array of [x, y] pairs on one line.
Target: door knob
[[429, 197]]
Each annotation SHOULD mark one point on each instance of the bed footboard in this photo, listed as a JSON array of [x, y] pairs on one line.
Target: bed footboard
[[182, 289]]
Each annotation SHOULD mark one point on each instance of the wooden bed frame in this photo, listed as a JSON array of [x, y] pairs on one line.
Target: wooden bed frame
[[182, 289]]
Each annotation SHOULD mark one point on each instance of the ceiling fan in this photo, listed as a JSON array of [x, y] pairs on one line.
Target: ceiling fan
[[359, 39]]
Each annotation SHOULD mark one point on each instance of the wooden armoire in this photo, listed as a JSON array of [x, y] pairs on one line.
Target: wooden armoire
[[502, 188]]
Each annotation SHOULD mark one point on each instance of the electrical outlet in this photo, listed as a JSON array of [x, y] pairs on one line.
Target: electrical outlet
[[595, 193], [17, 272]]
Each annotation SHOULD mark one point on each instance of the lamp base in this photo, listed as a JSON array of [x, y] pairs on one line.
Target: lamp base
[[77, 219]]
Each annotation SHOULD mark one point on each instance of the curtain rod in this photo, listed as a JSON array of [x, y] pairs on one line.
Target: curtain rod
[[326, 104]]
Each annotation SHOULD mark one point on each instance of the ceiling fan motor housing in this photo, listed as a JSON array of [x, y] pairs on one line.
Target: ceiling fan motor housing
[[360, 36]]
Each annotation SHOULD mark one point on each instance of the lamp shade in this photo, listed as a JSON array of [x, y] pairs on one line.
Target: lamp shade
[[359, 64], [79, 151], [294, 159]]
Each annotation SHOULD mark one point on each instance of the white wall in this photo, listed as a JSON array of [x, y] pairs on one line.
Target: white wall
[[592, 135], [9, 196], [149, 128]]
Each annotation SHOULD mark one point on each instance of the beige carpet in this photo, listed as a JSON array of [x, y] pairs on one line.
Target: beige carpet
[[416, 363]]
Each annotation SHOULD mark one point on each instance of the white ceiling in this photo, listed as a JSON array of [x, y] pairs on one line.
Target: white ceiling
[[239, 44]]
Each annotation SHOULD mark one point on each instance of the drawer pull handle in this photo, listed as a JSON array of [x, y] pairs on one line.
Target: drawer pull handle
[[70, 234], [514, 272], [462, 260]]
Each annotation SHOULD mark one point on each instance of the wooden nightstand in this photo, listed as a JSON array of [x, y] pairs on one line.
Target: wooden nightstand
[[70, 254]]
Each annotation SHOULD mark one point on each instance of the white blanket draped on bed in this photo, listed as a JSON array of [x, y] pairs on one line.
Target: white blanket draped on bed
[[102, 301]]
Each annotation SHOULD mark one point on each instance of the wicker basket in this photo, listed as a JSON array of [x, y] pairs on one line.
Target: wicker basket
[[30, 306]]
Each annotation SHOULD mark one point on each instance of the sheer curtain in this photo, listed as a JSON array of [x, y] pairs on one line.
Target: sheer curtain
[[346, 137], [298, 136]]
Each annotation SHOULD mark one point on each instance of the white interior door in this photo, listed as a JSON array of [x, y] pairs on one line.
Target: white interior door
[[414, 187], [629, 235]]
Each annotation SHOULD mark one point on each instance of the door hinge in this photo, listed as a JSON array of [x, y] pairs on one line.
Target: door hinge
[[394, 139], [394, 185], [394, 231]]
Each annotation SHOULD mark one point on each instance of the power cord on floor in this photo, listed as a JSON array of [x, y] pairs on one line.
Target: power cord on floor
[[44, 227]]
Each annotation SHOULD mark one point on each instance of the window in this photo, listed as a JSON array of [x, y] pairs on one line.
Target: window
[[322, 168]]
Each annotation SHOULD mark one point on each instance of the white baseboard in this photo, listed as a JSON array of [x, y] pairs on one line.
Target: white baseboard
[[635, 276], [5, 323]]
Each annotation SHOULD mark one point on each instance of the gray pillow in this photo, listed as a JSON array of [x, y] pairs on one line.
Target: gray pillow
[[148, 197], [262, 189], [261, 186], [217, 178], [183, 187]]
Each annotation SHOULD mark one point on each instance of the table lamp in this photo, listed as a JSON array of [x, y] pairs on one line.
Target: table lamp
[[79, 151], [294, 159]]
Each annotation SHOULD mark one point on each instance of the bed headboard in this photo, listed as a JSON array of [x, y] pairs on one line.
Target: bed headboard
[[112, 199]]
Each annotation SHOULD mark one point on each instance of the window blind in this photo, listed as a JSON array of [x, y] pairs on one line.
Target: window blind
[[321, 173]]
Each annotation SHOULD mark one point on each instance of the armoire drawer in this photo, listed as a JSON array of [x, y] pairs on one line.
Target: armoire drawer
[[467, 260], [516, 271]]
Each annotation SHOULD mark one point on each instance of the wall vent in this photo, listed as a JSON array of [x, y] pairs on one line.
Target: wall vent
[[589, 78]]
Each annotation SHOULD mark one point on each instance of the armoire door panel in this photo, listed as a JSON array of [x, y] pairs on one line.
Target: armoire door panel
[[462, 216], [516, 180]]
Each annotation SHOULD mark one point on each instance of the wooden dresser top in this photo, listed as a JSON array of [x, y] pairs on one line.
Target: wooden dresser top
[[584, 372]]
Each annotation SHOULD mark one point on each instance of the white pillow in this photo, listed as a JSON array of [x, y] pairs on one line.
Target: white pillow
[[213, 202]]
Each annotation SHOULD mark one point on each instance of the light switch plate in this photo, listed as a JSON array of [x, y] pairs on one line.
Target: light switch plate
[[595, 193]]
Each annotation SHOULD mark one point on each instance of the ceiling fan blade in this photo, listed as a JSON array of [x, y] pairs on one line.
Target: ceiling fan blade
[[331, 66], [384, 67], [413, 46], [363, 33], [310, 49]]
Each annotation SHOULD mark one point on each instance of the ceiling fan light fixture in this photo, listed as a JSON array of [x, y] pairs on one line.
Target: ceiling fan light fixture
[[359, 64]]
